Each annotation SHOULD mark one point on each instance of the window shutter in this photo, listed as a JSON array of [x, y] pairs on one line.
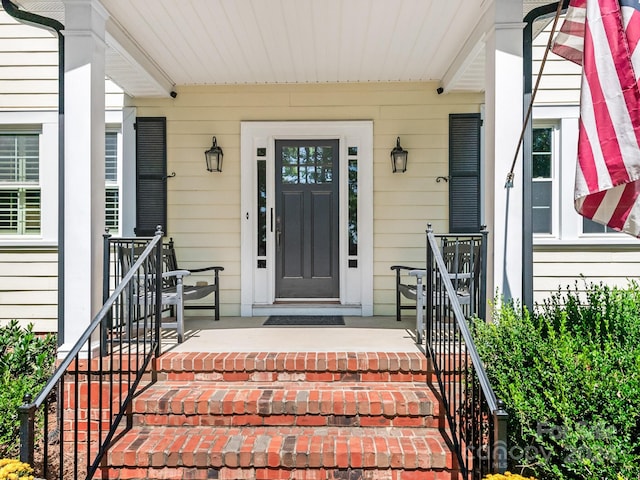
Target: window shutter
[[151, 175], [464, 172]]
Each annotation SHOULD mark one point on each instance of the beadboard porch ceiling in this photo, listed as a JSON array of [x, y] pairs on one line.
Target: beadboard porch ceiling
[[154, 45]]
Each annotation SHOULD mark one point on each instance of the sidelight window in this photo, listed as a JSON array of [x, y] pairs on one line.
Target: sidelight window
[[262, 207], [353, 207]]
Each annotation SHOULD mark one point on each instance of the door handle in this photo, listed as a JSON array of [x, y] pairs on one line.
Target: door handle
[[278, 234]]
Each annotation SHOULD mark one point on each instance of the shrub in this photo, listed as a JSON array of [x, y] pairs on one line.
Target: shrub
[[26, 362], [570, 377]]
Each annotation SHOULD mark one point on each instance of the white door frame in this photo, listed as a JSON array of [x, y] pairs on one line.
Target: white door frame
[[257, 285]]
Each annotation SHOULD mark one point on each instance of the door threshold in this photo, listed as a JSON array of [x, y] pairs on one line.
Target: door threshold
[[307, 308], [306, 301]]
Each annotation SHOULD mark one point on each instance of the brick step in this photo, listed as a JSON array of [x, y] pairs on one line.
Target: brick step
[[266, 415], [287, 403], [297, 366], [227, 473], [210, 448]]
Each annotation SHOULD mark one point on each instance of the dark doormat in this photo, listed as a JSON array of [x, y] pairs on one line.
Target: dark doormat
[[305, 320]]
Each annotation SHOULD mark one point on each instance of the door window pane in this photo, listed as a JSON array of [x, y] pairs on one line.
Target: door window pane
[[290, 174], [307, 165]]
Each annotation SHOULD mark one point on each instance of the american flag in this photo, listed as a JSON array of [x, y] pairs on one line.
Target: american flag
[[602, 36]]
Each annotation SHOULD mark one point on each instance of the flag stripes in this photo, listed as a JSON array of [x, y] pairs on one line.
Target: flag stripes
[[603, 36], [569, 42]]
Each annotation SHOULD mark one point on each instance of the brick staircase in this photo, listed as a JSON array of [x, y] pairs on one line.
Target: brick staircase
[[285, 416]]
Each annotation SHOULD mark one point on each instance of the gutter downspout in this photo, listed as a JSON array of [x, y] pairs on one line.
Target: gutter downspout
[[527, 212], [57, 27]]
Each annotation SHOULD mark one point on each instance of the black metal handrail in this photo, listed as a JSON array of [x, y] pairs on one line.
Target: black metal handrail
[[81, 408], [477, 420]]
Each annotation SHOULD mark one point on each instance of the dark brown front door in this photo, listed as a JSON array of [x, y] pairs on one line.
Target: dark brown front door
[[307, 219]]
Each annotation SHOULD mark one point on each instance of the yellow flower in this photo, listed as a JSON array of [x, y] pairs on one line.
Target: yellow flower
[[506, 476], [15, 470]]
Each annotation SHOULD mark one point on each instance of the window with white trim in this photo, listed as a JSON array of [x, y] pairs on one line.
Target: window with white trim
[[542, 179], [20, 192], [554, 153], [112, 190]]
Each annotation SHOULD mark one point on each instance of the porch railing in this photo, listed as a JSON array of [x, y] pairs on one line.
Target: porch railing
[[67, 430], [477, 420]]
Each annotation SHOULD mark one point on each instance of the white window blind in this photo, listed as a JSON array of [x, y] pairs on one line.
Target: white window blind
[[112, 192], [20, 204]]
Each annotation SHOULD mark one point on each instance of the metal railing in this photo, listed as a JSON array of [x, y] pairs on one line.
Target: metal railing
[[455, 292], [66, 432]]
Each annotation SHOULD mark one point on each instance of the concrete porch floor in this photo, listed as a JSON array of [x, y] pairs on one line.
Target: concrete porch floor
[[247, 334]]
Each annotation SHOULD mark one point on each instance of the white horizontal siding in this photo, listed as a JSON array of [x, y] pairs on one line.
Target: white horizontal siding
[[27, 45], [11, 29], [558, 97], [560, 84], [24, 49], [556, 66], [28, 287], [29, 69], [563, 267], [204, 208], [28, 72]]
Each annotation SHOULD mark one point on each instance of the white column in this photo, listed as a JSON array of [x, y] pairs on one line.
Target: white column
[[503, 122], [84, 136]]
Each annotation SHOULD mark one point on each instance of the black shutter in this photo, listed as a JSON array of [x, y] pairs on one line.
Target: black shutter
[[464, 172], [151, 175]]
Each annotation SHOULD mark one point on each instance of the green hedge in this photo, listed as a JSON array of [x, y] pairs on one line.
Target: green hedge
[[570, 376], [26, 362]]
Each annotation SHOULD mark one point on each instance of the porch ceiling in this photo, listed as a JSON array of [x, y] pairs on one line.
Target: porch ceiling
[[154, 45]]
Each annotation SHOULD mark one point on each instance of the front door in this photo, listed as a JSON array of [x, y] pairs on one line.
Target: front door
[[307, 219]]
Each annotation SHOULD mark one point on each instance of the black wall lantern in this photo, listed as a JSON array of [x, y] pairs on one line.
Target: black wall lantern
[[213, 157], [399, 158]]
